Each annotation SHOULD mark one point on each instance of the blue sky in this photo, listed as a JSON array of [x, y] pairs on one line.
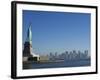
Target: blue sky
[[57, 31]]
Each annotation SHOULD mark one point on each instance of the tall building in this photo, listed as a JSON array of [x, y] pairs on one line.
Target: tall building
[[27, 51]]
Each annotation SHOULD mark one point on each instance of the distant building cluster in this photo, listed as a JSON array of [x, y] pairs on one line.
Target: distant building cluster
[[69, 55]]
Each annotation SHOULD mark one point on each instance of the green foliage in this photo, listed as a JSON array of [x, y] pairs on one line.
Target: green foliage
[[32, 59]]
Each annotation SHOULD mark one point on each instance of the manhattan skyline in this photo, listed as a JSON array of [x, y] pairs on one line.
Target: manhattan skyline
[[57, 31]]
